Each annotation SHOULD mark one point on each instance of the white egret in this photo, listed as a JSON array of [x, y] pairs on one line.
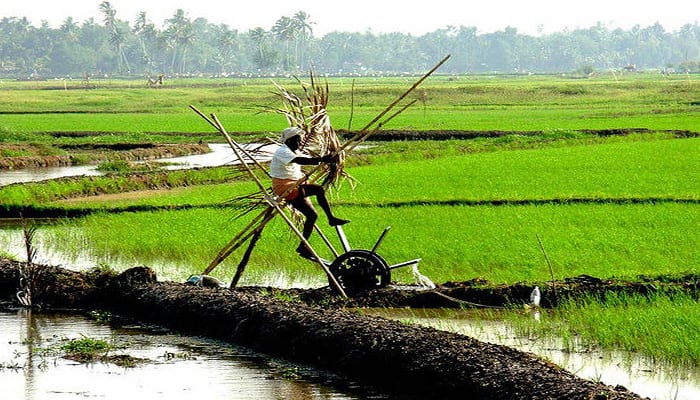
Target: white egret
[[535, 296]]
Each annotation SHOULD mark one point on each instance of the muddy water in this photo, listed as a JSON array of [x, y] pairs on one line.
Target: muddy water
[[636, 373], [174, 367], [220, 154]]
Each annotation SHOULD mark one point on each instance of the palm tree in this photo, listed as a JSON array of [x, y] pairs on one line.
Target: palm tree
[[70, 29], [146, 33], [227, 40], [263, 57], [304, 32], [285, 30], [117, 38], [179, 36]]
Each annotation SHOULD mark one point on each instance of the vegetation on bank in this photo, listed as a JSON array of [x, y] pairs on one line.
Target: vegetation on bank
[[662, 326], [83, 52]]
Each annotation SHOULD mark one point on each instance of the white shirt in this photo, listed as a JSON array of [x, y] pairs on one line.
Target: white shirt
[[281, 165]]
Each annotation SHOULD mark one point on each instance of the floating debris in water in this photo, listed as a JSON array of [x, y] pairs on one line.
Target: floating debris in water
[[204, 281]]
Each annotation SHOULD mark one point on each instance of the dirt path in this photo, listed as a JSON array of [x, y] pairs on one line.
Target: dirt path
[[389, 355]]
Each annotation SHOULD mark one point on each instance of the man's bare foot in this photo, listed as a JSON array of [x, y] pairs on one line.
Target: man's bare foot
[[337, 221], [304, 252]]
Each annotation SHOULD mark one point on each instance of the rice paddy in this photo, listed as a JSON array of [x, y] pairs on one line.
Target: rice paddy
[[604, 206]]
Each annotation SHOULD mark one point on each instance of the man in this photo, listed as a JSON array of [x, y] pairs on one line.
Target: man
[[285, 170]]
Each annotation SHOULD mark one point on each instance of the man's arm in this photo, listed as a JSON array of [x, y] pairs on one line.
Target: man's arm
[[312, 160]]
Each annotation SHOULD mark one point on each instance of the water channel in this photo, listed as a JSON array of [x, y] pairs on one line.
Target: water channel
[[170, 366], [235, 373], [633, 371], [220, 154]]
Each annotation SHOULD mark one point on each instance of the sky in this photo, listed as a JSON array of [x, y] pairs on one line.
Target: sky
[[532, 17]]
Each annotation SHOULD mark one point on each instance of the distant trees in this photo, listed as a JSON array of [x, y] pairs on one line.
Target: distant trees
[[186, 47], [117, 36]]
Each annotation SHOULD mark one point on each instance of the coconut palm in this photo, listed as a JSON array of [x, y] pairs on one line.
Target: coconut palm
[[263, 57], [117, 37], [285, 30], [70, 29], [227, 39], [304, 32], [146, 33], [179, 36]]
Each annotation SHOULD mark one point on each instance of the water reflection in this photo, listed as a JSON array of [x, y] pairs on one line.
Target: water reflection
[[637, 373], [178, 368], [41, 174], [221, 154]]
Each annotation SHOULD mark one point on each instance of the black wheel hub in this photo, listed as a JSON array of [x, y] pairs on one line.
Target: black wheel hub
[[359, 271]]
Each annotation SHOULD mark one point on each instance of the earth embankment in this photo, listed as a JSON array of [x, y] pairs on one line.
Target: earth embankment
[[389, 355]]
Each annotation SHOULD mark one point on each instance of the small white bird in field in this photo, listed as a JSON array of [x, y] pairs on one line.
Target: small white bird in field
[[535, 296]]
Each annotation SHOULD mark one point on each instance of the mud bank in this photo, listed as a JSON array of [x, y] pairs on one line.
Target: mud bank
[[480, 293], [388, 355]]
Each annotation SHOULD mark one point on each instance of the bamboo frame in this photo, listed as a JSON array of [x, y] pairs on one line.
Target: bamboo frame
[[254, 229], [273, 206]]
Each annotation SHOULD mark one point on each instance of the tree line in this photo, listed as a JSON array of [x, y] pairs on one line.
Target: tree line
[[195, 47]]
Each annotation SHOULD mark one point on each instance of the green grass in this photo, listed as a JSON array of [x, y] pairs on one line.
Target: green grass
[[622, 208], [666, 169], [455, 243], [478, 103], [603, 206], [663, 327], [41, 193]]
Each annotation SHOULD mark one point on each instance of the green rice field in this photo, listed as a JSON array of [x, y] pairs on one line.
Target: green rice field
[[606, 205]]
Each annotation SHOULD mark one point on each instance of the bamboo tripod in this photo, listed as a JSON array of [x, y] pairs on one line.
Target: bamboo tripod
[[276, 204]]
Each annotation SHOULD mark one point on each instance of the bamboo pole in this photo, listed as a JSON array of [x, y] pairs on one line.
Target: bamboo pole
[[403, 96], [314, 255], [364, 133], [360, 137], [234, 243], [237, 149], [242, 149], [246, 256]]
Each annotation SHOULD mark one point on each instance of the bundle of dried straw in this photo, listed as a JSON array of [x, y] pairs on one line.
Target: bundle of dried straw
[[309, 113]]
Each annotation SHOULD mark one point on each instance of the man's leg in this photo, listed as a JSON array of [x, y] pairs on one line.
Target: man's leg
[[320, 193], [304, 206]]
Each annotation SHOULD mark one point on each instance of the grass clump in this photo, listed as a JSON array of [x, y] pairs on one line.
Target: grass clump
[[85, 349], [663, 327], [89, 350], [125, 167]]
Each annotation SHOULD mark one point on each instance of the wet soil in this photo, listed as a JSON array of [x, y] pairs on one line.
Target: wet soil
[[391, 356]]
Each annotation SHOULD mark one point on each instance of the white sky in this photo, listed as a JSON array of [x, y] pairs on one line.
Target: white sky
[[415, 17]]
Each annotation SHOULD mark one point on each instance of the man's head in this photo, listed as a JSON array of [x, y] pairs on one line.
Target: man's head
[[292, 137], [291, 132]]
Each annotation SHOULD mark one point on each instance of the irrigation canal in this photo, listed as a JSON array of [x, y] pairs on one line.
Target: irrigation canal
[[220, 154], [168, 366]]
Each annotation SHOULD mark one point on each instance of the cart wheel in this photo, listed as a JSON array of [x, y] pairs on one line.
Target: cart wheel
[[359, 271]]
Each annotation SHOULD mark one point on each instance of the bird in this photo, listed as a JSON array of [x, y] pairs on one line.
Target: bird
[[535, 296], [422, 280]]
